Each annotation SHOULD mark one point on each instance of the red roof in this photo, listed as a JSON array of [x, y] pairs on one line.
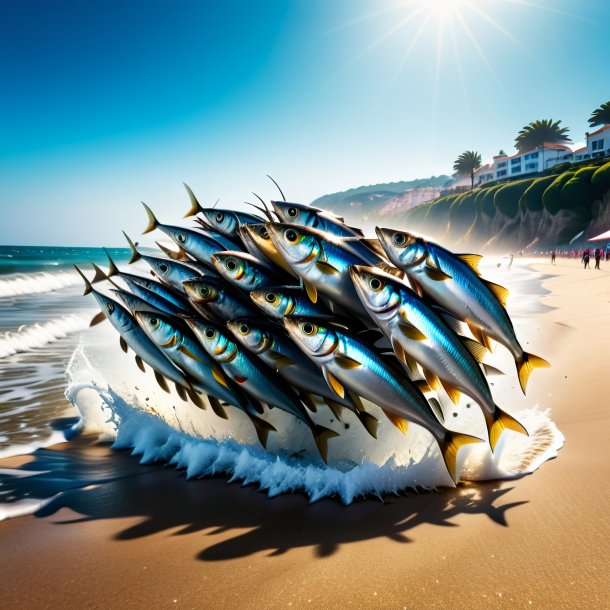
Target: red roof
[[598, 131], [583, 149]]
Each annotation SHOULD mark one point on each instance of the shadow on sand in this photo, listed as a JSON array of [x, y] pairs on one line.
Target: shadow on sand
[[100, 483]]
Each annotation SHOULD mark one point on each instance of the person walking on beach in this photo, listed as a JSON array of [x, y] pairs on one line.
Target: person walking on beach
[[553, 253], [585, 259], [598, 256]]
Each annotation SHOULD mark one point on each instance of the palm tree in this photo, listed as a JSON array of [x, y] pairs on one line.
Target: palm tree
[[538, 132], [600, 116], [467, 164]]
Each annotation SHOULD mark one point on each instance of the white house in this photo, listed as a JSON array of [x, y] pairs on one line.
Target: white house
[[531, 161], [598, 142], [484, 174]]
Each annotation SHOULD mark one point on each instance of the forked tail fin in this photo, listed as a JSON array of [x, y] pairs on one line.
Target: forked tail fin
[[369, 422], [195, 205], [153, 223], [135, 255], [112, 268], [503, 421], [526, 364], [262, 428], [450, 446], [321, 436], [88, 287]]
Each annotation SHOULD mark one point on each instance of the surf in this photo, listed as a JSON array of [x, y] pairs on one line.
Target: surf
[[36, 283]]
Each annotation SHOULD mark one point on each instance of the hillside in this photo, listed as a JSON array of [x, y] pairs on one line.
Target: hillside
[[366, 200]]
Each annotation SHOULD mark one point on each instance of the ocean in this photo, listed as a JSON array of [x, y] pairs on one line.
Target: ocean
[[58, 378]]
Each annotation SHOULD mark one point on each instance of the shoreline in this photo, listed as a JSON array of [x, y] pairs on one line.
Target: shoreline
[[538, 541]]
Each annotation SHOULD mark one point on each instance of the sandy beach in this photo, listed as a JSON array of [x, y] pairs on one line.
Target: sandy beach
[[149, 538]]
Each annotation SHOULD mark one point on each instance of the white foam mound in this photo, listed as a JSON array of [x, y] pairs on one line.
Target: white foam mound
[[30, 337], [160, 427], [36, 283]]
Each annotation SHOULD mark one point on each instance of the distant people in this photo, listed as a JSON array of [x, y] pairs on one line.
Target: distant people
[[586, 258], [510, 262], [598, 256], [607, 252], [553, 254]]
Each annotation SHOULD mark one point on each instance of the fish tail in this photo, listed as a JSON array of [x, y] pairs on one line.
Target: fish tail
[[335, 407], [135, 255], [450, 446], [400, 422], [88, 287], [503, 421], [321, 436], [262, 428], [112, 268], [526, 364], [195, 205], [153, 223], [369, 422]]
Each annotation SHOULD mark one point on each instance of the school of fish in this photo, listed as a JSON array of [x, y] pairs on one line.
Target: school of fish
[[297, 311]]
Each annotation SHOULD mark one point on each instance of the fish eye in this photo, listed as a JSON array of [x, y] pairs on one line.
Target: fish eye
[[153, 322], [270, 297], [210, 333], [308, 328], [163, 268], [110, 307], [375, 284], [263, 232], [204, 291], [231, 264], [291, 235], [219, 216], [244, 329], [181, 237], [399, 239], [293, 212]]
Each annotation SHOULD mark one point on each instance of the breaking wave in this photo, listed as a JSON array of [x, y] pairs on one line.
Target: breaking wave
[[36, 283], [31, 337]]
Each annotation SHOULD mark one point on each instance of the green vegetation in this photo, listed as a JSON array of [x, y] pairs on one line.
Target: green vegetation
[[506, 198], [601, 177], [467, 164], [538, 132], [532, 197], [551, 198], [601, 115]]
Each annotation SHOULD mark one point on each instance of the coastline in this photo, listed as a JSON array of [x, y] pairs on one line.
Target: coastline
[[153, 538]]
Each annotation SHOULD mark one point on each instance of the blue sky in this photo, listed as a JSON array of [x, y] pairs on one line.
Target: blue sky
[[104, 104]]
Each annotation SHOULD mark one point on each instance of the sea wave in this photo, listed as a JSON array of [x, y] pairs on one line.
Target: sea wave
[[36, 283], [27, 338]]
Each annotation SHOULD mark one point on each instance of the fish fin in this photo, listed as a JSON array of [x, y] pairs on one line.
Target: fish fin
[[334, 383], [374, 245], [491, 370], [135, 255], [356, 400], [498, 291], [123, 344], [321, 436], [308, 401], [391, 270], [153, 223], [480, 336], [112, 268], [262, 429], [422, 385], [140, 364], [411, 331], [399, 422], [99, 276], [526, 364], [369, 422], [402, 355], [217, 407], [472, 260], [416, 287], [436, 274], [477, 350], [435, 405], [195, 205], [503, 421], [187, 352], [175, 255], [326, 268], [345, 362], [219, 375], [432, 379], [195, 398], [451, 391], [450, 446], [180, 391], [161, 381], [88, 287], [97, 318], [311, 291], [279, 360], [457, 326], [335, 407]]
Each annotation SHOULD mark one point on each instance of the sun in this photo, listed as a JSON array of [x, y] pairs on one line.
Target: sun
[[443, 9]]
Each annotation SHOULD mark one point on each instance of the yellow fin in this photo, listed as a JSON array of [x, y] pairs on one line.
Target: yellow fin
[[475, 348], [498, 291], [262, 428], [480, 336], [411, 331], [311, 291], [422, 384], [326, 268], [526, 364], [334, 383], [433, 380], [436, 274], [503, 421], [369, 422], [472, 260], [450, 447], [399, 422], [97, 318], [452, 392], [187, 352], [345, 362], [219, 375], [321, 436], [335, 407]]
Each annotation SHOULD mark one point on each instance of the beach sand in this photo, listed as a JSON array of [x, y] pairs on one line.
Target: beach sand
[[152, 539]]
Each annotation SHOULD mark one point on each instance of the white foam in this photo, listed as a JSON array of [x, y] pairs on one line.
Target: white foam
[[36, 283], [33, 336]]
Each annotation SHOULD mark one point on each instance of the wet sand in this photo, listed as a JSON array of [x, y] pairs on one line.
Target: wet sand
[[125, 535]]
